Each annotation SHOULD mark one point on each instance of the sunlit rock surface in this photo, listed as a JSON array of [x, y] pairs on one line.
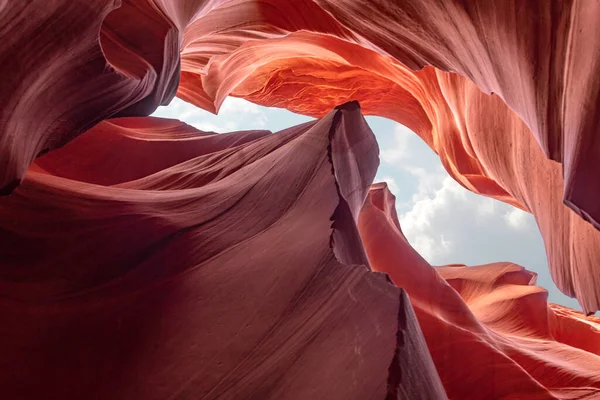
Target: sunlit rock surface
[[536, 57], [141, 258], [67, 65], [488, 325]]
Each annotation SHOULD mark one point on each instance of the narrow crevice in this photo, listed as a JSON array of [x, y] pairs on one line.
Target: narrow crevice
[[395, 370], [10, 187]]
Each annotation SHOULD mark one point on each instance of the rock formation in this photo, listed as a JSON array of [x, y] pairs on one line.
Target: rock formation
[[536, 57], [194, 278], [70, 64], [488, 325], [141, 258]]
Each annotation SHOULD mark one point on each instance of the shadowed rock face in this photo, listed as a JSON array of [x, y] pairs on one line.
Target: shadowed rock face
[[141, 258], [229, 268]]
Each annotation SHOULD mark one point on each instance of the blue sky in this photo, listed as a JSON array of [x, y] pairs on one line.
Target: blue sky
[[446, 223]]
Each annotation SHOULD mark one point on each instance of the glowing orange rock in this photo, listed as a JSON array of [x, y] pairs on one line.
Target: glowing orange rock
[[145, 259], [488, 325], [538, 59], [69, 65]]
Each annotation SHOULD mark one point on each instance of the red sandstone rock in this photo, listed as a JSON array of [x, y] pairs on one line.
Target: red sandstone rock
[[488, 325], [145, 259], [67, 65], [527, 54], [202, 275]]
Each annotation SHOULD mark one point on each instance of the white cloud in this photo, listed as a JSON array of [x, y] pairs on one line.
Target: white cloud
[[235, 114], [449, 224], [422, 223], [486, 207], [399, 148], [425, 246], [429, 180], [516, 218], [234, 106]]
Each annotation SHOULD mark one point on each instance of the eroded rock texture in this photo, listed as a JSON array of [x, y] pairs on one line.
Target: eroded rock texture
[[211, 273], [145, 259], [67, 65], [537, 57], [488, 325]]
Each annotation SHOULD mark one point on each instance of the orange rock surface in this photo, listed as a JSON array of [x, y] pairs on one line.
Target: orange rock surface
[[536, 57], [141, 258], [487, 325], [68, 65]]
